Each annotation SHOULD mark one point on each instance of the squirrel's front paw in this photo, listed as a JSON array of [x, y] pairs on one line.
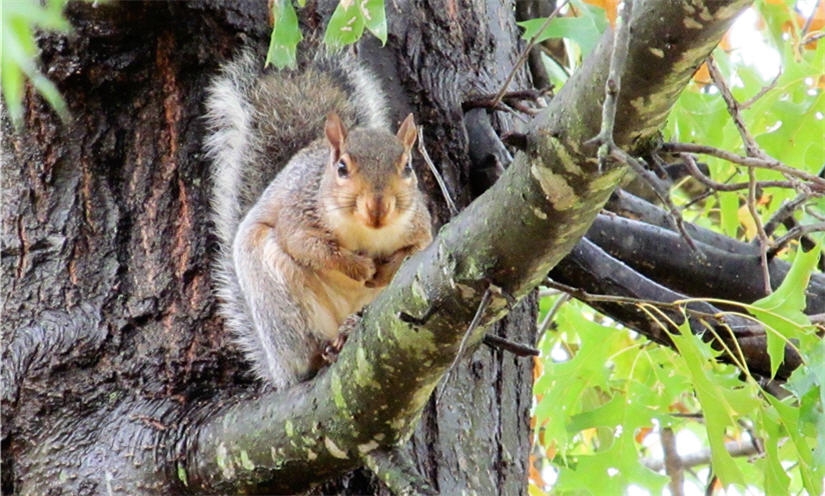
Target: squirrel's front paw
[[385, 269], [384, 272], [358, 267]]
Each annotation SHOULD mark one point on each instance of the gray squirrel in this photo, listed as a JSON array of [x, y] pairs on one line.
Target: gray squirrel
[[313, 216]]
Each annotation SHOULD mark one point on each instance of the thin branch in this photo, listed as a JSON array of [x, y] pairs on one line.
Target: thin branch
[[526, 53], [764, 242], [629, 206], [697, 174], [816, 183], [703, 457], [756, 441], [551, 314], [795, 233], [613, 84], [814, 214], [751, 147], [809, 21], [812, 37], [664, 197], [607, 148], [759, 94], [586, 297], [510, 101], [513, 347], [673, 463], [482, 307], [438, 179], [753, 150], [786, 210]]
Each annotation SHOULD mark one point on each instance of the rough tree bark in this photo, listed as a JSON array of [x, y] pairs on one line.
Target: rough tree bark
[[118, 377]]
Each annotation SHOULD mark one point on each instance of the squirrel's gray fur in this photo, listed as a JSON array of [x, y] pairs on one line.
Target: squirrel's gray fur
[[257, 121]]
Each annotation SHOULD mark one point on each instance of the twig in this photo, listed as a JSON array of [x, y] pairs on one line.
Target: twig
[[812, 37], [796, 232], [759, 94], [785, 211], [613, 84], [764, 242], [545, 324], [703, 457], [814, 214], [697, 174], [809, 20], [508, 102], [607, 147], [482, 307], [525, 53], [586, 297], [673, 463], [751, 148], [438, 179], [816, 183], [756, 441], [513, 347], [675, 217]]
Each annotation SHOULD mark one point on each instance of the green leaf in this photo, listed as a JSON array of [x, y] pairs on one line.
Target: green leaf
[[729, 211], [12, 82], [347, 23], [721, 406], [611, 471], [375, 18], [48, 16], [585, 30], [286, 34], [807, 383], [776, 480], [810, 467], [782, 311], [345, 26], [19, 52]]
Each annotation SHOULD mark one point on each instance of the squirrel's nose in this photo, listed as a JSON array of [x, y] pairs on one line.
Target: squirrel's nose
[[376, 209]]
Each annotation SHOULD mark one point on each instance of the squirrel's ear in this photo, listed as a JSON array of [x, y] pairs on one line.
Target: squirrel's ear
[[336, 134], [407, 132]]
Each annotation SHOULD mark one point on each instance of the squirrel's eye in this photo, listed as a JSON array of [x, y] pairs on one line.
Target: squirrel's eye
[[408, 170], [341, 167]]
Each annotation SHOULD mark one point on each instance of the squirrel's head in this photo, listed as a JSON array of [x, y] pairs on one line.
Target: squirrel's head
[[369, 176]]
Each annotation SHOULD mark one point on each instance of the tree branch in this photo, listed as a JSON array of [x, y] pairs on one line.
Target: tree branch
[[741, 447], [590, 269], [664, 257]]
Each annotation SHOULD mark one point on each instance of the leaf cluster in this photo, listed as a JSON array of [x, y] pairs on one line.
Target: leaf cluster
[[346, 26], [20, 21], [606, 397]]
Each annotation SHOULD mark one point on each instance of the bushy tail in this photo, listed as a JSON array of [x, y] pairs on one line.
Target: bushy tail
[[230, 143], [230, 146]]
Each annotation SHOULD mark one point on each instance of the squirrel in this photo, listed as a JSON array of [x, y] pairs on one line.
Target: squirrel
[[313, 216]]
